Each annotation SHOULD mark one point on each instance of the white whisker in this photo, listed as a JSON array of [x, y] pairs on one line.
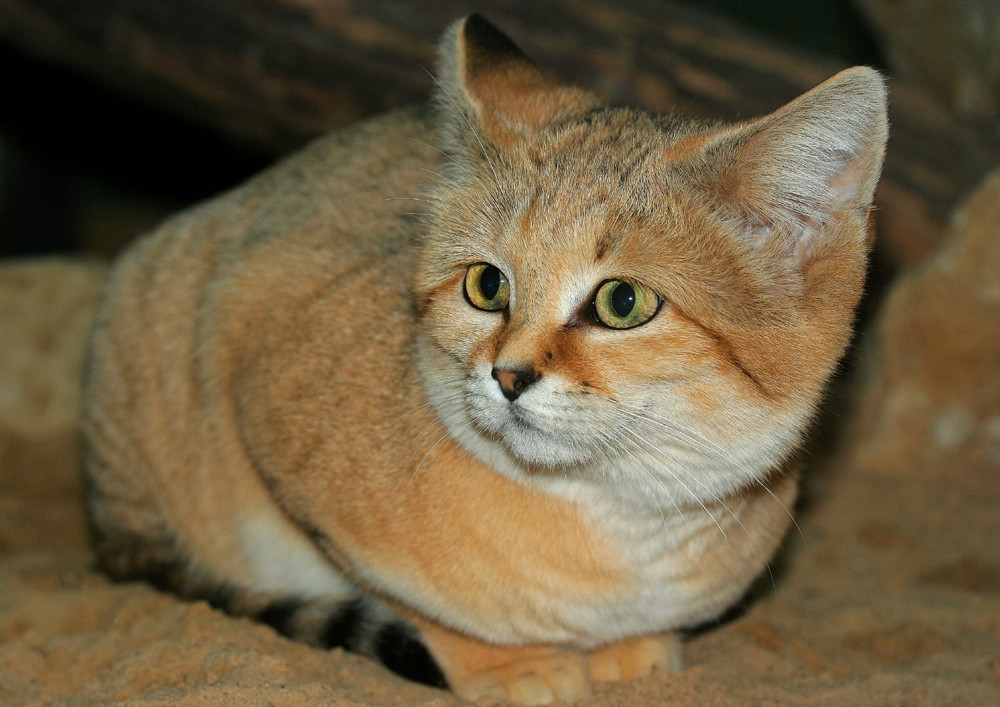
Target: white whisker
[[434, 423], [451, 398], [644, 446], [424, 458], [432, 147], [697, 441], [647, 473], [785, 509], [703, 444], [443, 178]]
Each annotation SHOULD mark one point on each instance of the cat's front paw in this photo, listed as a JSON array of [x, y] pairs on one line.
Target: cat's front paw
[[635, 657], [535, 680]]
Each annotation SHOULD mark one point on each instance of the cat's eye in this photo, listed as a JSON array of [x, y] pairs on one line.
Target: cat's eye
[[623, 305], [486, 287]]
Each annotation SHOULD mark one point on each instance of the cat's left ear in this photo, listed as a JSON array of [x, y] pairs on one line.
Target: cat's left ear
[[792, 174], [489, 90]]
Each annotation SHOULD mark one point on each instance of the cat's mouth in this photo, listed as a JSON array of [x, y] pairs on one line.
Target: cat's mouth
[[507, 422], [531, 442], [518, 420]]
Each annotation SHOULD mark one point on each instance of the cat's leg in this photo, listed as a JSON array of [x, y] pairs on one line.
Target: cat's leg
[[636, 657], [524, 675]]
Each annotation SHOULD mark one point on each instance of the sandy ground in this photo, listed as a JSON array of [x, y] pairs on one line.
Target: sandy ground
[[887, 594]]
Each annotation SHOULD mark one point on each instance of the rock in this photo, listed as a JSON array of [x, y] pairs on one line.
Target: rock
[[932, 387], [46, 310]]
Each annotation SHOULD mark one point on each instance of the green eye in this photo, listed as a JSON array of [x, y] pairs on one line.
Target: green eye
[[486, 287], [623, 305]]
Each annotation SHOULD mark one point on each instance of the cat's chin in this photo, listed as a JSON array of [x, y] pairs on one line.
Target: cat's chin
[[528, 443], [528, 447], [537, 450]]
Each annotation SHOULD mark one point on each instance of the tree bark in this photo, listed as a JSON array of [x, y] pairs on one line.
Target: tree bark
[[276, 73]]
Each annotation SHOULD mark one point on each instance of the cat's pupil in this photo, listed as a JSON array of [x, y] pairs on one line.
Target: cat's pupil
[[489, 282], [623, 299]]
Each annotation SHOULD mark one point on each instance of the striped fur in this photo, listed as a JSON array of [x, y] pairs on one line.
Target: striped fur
[[359, 624]]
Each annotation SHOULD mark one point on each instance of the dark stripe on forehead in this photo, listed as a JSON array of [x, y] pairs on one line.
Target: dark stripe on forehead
[[603, 244]]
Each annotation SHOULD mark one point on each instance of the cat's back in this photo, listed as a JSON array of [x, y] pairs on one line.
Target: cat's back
[[348, 200], [229, 287], [343, 192]]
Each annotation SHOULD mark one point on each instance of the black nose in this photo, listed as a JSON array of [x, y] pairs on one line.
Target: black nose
[[514, 381]]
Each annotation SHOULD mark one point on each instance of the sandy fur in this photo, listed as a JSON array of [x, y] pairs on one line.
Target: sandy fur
[[298, 355]]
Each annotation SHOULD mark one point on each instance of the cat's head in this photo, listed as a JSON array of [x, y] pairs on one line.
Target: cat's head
[[604, 291]]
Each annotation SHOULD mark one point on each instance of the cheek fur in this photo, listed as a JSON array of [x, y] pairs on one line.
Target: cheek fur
[[575, 359], [612, 362], [455, 325]]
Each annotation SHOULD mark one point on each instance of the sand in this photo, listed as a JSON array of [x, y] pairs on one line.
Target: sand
[[887, 593]]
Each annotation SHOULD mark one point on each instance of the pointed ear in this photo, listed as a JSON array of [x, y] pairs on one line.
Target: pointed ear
[[794, 172], [487, 87]]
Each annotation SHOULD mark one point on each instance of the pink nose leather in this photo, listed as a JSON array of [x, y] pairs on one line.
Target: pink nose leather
[[513, 381]]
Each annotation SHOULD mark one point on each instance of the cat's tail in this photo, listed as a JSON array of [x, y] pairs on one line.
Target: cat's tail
[[360, 624], [357, 623]]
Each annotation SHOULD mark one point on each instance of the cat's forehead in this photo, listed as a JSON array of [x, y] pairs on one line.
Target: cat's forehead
[[611, 163], [583, 196], [603, 145], [556, 246], [587, 202], [583, 223]]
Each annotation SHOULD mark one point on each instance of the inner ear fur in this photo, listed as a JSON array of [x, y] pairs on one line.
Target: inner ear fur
[[792, 173], [487, 86]]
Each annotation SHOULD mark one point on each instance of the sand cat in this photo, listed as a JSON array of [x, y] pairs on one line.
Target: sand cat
[[501, 392]]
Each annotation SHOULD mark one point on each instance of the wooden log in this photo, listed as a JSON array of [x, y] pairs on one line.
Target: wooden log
[[950, 49], [278, 72]]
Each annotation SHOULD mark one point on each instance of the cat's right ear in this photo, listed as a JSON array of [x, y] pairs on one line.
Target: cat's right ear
[[490, 95]]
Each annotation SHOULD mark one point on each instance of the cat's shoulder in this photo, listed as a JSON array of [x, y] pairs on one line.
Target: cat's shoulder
[[351, 184], [365, 151]]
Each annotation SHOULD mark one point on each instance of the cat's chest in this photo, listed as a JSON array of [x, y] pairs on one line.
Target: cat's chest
[[679, 568], [660, 568], [659, 551]]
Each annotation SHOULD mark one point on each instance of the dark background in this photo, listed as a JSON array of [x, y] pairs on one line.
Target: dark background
[[84, 169]]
